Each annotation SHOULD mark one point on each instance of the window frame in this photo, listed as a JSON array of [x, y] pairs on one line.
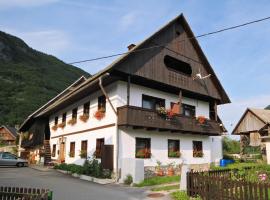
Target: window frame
[[64, 117], [102, 103], [100, 142], [185, 107], [195, 144], [154, 101], [56, 120], [84, 147], [147, 148], [53, 150], [74, 113], [177, 142], [72, 146], [86, 108]]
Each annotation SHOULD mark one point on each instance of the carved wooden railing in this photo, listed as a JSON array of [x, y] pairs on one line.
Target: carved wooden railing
[[145, 118]]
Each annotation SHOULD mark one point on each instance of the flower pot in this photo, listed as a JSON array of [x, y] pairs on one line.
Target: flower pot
[[160, 172], [170, 171]]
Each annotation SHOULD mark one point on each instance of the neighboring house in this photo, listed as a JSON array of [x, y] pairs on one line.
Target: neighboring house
[[119, 113], [255, 125], [35, 132], [8, 135]]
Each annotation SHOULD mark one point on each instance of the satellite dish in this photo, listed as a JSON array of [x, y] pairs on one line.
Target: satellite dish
[[200, 76]]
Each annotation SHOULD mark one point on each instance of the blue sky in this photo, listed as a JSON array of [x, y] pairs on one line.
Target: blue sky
[[77, 30]]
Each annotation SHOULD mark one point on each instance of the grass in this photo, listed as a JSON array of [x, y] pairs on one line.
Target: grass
[[182, 195], [237, 166], [158, 180], [166, 188]]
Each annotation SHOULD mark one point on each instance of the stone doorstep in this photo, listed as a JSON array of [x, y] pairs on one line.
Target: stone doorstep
[[40, 168], [89, 178]]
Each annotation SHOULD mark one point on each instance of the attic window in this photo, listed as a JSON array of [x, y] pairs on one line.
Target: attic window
[[177, 65]]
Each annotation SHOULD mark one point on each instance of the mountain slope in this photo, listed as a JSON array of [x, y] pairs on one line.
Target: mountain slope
[[29, 78]]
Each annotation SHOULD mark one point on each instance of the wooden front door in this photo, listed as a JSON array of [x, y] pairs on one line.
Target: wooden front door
[[62, 152], [107, 157]]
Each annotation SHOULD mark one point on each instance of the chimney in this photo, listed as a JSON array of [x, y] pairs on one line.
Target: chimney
[[131, 46]]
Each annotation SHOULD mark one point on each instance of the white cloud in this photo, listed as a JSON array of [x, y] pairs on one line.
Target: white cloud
[[127, 20], [53, 42], [24, 3], [231, 113]]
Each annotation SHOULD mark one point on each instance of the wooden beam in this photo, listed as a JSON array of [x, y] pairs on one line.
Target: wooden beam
[[180, 101], [128, 90], [215, 108]]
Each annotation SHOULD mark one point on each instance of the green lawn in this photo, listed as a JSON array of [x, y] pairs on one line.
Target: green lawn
[[238, 166], [182, 195], [158, 180], [166, 188]]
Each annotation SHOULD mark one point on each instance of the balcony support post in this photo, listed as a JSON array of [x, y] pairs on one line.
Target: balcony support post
[[180, 101], [128, 90], [215, 108]]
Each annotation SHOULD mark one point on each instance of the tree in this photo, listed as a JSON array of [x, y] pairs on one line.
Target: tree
[[230, 146]]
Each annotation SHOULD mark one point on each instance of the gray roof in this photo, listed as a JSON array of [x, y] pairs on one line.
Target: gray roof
[[263, 114], [12, 130]]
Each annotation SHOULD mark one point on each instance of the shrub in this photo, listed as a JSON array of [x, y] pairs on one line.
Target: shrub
[[182, 195], [128, 180]]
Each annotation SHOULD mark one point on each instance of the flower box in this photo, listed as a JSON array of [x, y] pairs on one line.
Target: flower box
[[62, 125], [174, 154], [197, 154], [72, 121], [54, 127], [99, 114], [84, 117]]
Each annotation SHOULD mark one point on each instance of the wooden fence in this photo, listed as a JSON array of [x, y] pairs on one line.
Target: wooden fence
[[15, 193], [211, 186]]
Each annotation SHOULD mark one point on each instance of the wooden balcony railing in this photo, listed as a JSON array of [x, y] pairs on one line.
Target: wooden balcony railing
[[144, 118]]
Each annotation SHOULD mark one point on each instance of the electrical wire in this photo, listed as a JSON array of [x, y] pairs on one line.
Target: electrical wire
[[188, 38]]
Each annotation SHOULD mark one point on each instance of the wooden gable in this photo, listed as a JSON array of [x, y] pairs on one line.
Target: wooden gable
[[6, 135], [248, 123], [150, 64]]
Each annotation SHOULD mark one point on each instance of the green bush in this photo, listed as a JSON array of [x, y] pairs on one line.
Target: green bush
[[128, 180], [182, 195]]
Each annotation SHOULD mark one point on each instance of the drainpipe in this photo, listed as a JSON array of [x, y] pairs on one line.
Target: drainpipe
[[117, 132]]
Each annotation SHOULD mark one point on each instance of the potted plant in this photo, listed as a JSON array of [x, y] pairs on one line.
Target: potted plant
[[83, 154], [99, 114], [174, 154], [162, 112], [62, 125], [170, 170], [54, 127], [72, 121], [159, 170], [197, 154], [201, 119], [84, 117]]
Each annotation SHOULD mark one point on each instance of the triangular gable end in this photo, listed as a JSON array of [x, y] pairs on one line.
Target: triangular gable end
[[249, 122], [151, 64]]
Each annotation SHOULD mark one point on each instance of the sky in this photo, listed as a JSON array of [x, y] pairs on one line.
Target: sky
[[83, 29]]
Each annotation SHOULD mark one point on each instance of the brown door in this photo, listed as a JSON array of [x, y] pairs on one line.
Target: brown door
[[107, 157], [62, 152]]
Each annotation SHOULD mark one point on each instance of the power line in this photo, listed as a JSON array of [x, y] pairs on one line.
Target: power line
[[188, 38]]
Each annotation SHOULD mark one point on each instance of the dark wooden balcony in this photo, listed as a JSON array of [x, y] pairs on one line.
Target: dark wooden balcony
[[137, 117]]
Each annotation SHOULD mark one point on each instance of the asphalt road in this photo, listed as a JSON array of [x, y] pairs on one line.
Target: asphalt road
[[66, 187]]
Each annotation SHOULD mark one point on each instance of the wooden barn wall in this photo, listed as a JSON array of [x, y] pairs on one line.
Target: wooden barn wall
[[5, 134], [249, 123], [150, 63]]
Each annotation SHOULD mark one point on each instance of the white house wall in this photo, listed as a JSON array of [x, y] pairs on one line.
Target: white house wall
[[136, 92], [159, 146]]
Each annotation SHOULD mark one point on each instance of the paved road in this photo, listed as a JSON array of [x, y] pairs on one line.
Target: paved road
[[65, 187]]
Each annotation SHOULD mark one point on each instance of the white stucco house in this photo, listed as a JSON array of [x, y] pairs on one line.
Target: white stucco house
[[148, 105]]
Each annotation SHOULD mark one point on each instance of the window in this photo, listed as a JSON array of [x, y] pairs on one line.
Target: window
[[64, 117], [72, 150], [188, 110], [74, 113], [83, 153], [86, 108], [177, 65], [197, 149], [143, 148], [173, 148], [152, 103], [99, 145], [55, 121], [102, 103], [9, 156], [54, 150]]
